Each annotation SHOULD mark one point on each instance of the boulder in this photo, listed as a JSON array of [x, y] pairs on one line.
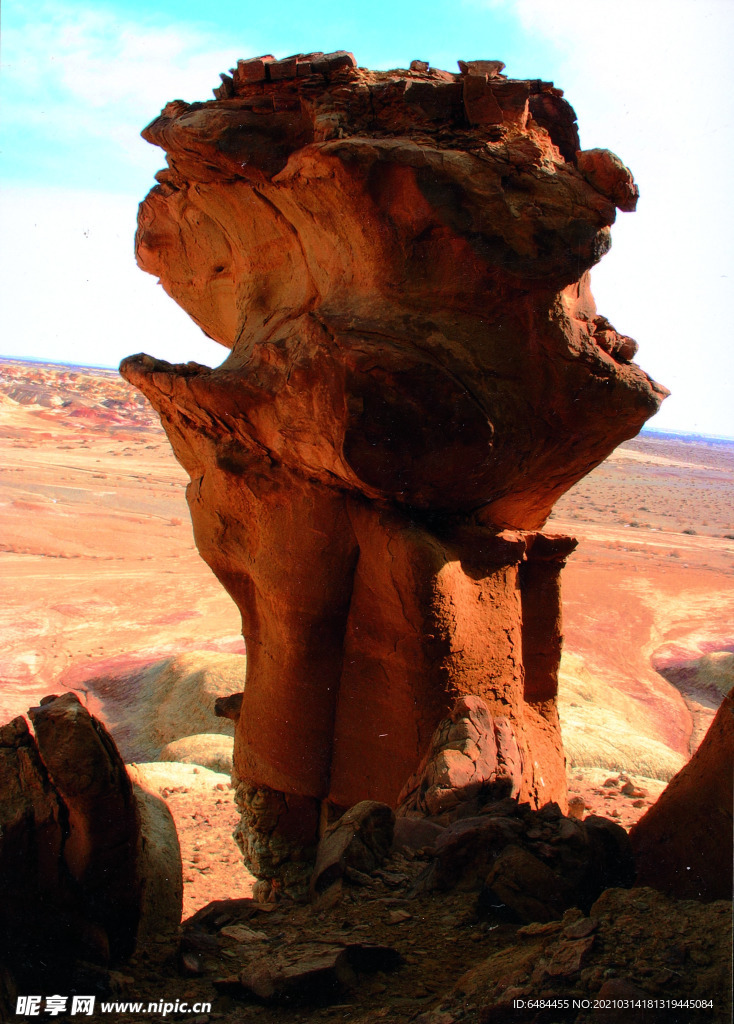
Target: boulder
[[530, 865], [524, 886], [159, 862], [399, 263], [414, 833], [359, 841], [89, 862], [316, 973], [210, 750], [683, 844], [100, 849]]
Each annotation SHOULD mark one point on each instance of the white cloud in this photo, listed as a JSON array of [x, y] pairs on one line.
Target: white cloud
[[80, 77]]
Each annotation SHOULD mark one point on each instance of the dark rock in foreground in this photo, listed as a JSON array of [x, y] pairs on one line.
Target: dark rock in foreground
[[81, 876], [683, 845]]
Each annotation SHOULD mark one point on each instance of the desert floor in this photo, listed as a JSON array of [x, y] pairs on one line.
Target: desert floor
[[100, 574]]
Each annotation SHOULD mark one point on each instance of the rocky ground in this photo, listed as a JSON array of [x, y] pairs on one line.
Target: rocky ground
[[94, 526], [389, 950]]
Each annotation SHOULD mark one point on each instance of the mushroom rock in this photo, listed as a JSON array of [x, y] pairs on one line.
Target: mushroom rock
[[398, 262]]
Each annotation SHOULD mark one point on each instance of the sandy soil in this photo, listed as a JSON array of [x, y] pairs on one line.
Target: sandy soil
[[651, 580], [96, 547], [100, 573]]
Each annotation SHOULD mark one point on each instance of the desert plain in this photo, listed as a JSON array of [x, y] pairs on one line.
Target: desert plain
[[103, 592]]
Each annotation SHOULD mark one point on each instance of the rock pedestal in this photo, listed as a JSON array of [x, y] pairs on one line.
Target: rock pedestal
[[399, 263]]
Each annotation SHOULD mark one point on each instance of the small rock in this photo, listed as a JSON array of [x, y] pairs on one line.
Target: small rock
[[241, 933], [490, 68], [398, 916], [580, 929], [630, 789], [568, 958], [540, 928], [576, 807], [191, 964], [359, 878]]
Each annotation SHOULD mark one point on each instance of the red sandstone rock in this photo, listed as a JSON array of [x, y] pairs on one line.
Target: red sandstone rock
[[361, 839], [399, 263], [472, 758], [100, 851], [683, 845], [606, 172], [79, 877]]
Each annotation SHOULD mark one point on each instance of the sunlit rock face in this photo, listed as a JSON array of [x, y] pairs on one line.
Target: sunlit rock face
[[398, 262]]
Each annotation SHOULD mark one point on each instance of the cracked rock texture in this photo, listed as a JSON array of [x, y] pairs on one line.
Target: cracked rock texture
[[398, 262], [89, 860]]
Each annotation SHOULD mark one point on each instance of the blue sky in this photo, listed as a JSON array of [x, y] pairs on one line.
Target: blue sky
[[648, 79]]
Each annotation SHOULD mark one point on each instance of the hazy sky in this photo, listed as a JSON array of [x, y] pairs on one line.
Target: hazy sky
[[649, 79]]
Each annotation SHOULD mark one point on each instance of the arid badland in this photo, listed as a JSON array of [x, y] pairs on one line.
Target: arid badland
[[418, 374]]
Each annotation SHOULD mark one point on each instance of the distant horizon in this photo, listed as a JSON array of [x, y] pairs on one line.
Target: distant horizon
[[644, 429], [81, 80]]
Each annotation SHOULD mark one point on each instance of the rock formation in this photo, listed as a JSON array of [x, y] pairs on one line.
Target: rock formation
[[683, 845], [399, 263], [89, 862]]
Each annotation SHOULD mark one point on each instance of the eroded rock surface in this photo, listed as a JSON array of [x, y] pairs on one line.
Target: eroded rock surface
[[89, 864], [399, 263], [683, 844]]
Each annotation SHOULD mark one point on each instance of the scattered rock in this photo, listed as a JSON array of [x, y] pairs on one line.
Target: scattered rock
[[534, 864], [315, 973], [635, 936]]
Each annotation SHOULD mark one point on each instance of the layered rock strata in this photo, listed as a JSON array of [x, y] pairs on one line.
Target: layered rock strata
[[399, 263]]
